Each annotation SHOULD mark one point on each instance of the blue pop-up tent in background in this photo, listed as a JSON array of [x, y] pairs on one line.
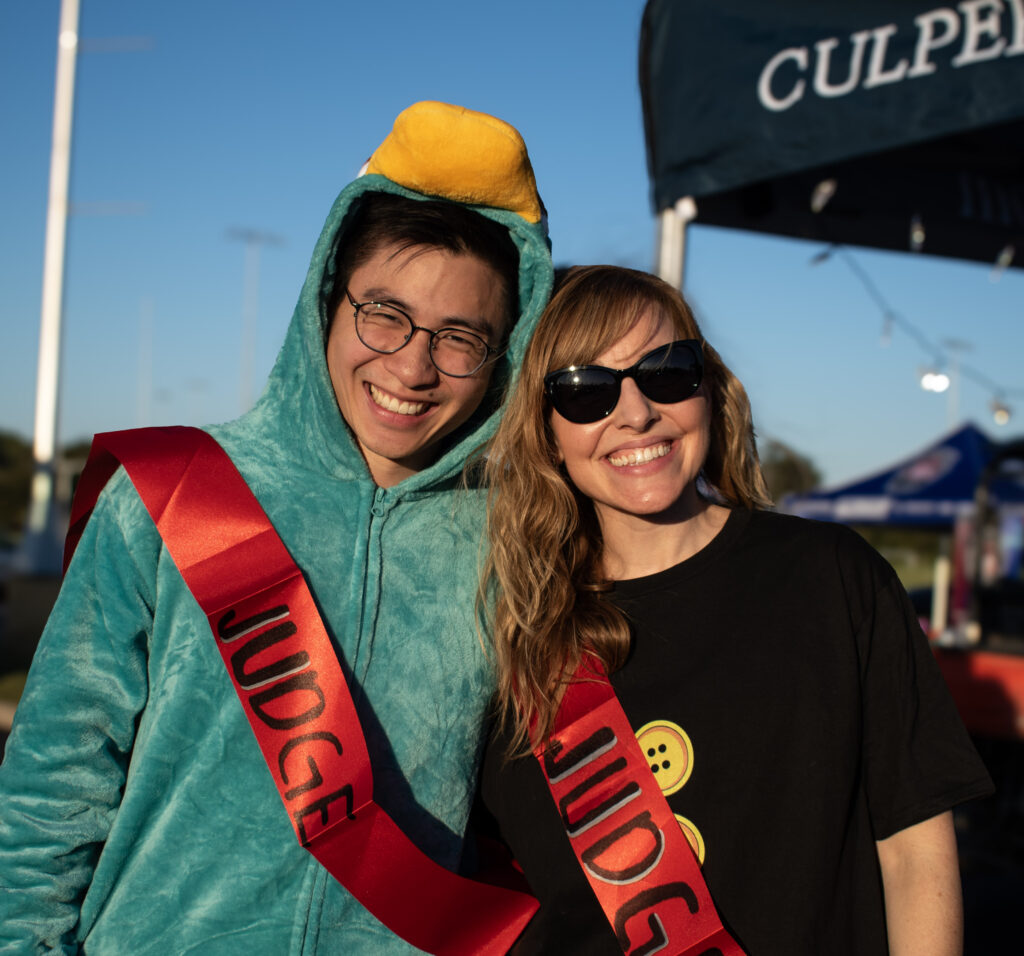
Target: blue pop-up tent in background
[[929, 489]]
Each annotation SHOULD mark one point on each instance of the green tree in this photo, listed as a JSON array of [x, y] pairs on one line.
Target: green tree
[[16, 466], [15, 479], [786, 470]]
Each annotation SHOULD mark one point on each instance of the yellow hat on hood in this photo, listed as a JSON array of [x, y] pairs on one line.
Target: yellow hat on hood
[[455, 153]]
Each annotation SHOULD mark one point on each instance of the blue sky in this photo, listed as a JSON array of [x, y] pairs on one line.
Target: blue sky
[[253, 114]]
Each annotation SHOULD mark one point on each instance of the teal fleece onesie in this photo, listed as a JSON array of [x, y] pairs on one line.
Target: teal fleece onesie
[[136, 813]]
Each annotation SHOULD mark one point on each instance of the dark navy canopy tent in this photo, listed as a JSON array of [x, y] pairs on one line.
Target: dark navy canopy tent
[[885, 123], [931, 488]]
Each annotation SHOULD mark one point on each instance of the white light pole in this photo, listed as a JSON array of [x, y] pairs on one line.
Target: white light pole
[[41, 546], [254, 240]]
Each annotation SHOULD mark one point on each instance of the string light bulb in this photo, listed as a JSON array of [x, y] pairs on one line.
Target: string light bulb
[[821, 195], [916, 233], [1001, 413], [932, 380], [1003, 262]]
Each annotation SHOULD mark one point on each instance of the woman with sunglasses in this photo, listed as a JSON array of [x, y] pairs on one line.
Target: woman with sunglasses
[[787, 713]]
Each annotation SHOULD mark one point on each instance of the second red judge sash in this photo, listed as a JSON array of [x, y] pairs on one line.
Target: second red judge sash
[[626, 839]]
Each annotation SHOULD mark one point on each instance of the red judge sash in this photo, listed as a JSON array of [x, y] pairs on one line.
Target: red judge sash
[[626, 839], [293, 691]]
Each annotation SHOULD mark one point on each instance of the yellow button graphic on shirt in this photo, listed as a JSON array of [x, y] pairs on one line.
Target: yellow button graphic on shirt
[[669, 753], [693, 835]]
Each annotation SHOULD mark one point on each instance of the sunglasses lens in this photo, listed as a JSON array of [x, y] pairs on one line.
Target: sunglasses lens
[[670, 375], [667, 375], [583, 395]]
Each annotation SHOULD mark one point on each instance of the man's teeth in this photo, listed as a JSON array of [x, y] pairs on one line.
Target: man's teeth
[[392, 404], [640, 456]]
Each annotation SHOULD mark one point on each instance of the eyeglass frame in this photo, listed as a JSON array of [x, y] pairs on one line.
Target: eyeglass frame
[[489, 355]]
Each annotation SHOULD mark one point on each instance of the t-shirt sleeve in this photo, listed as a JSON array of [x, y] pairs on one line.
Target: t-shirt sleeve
[[918, 760]]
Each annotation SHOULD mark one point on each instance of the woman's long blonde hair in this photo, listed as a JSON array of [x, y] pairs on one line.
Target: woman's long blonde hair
[[544, 565]]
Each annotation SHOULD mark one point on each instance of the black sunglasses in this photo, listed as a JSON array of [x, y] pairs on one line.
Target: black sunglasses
[[587, 393]]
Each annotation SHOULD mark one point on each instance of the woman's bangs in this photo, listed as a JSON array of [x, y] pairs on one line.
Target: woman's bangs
[[593, 325]]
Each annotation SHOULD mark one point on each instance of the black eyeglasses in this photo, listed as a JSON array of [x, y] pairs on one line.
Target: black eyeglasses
[[588, 393], [386, 329]]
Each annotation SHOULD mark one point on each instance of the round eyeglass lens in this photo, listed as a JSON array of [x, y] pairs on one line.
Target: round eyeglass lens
[[456, 352], [381, 329]]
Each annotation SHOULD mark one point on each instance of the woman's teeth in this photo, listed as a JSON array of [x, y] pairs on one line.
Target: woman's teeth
[[640, 456], [392, 404]]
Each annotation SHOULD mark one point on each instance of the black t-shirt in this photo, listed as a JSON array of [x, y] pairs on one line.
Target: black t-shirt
[[793, 713]]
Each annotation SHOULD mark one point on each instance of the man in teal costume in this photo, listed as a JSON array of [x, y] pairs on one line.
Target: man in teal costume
[[136, 813]]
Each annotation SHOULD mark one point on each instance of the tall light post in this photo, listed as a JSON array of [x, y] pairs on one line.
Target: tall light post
[[254, 240], [41, 547]]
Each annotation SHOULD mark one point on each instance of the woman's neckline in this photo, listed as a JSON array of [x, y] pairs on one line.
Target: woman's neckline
[[736, 520]]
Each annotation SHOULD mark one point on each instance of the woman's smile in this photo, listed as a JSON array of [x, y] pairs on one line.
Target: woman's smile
[[639, 456]]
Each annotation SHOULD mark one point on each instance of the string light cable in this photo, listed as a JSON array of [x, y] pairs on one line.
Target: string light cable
[[940, 357]]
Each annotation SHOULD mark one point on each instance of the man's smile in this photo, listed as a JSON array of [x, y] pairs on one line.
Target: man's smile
[[392, 404]]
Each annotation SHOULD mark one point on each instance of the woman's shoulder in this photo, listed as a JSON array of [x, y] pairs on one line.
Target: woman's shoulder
[[805, 539], [807, 530]]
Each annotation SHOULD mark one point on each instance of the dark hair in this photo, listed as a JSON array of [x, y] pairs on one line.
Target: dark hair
[[382, 219]]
